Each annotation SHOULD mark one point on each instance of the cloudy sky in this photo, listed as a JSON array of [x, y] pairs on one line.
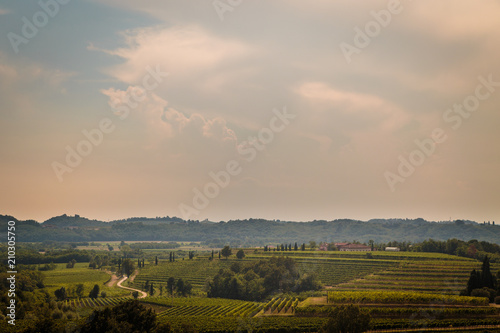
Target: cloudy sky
[[302, 109]]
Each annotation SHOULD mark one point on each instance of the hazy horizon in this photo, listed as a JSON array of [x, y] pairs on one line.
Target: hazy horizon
[[113, 108]]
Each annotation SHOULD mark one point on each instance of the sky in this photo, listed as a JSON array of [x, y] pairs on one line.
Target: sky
[[234, 109]]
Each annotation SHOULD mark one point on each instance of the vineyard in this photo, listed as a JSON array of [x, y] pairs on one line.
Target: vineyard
[[197, 272], [96, 302], [409, 311], [400, 291], [281, 305], [241, 324], [211, 307], [330, 271], [440, 277], [399, 297]]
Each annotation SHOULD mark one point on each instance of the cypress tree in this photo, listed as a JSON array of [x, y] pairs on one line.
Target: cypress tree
[[474, 281], [486, 276]]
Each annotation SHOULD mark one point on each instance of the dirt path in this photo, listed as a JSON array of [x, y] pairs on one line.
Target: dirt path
[[112, 280], [134, 275], [119, 285]]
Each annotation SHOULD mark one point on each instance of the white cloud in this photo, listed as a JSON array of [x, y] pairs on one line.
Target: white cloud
[[381, 114], [185, 51], [165, 123]]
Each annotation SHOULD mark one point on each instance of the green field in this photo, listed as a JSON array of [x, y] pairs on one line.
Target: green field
[[81, 273]]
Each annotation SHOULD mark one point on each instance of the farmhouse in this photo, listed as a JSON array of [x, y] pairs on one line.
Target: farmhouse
[[354, 247], [390, 248]]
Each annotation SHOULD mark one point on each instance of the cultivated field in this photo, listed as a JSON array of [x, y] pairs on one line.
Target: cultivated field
[[401, 290], [81, 273]]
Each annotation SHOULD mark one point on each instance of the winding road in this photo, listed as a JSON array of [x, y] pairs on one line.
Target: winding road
[[119, 285]]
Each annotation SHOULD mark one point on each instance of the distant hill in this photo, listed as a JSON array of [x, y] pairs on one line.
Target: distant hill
[[73, 221], [247, 232]]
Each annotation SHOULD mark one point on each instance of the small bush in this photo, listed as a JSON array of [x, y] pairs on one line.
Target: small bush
[[480, 293], [57, 314]]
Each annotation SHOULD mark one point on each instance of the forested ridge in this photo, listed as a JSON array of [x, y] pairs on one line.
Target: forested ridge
[[247, 232]]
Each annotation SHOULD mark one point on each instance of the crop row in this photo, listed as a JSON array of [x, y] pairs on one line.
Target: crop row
[[400, 297], [245, 309], [413, 312], [239, 324], [453, 288], [380, 324], [195, 306], [195, 271], [278, 304], [96, 302], [431, 277], [333, 272], [207, 324]]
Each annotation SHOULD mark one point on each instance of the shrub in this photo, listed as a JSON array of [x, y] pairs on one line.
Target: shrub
[[480, 293], [60, 294], [57, 314]]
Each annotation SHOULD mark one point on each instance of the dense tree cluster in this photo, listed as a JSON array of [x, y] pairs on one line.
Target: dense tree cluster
[[27, 283], [226, 251], [28, 256], [347, 319], [126, 317], [256, 280], [472, 249], [483, 283], [128, 267]]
